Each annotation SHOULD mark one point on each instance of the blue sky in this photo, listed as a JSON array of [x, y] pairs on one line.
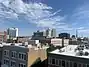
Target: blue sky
[[64, 15]]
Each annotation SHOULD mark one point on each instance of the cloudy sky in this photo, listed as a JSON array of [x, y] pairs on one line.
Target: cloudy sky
[[32, 15]]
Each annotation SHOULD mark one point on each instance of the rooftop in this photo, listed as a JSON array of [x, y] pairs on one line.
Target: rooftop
[[81, 51], [23, 45]]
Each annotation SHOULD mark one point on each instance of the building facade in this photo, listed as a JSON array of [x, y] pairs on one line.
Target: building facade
[[51, 33], [21, 39], [0, 55], [3, 36], [64, 35], [70, 56], [12, 33], [15, 55], [59, 42]]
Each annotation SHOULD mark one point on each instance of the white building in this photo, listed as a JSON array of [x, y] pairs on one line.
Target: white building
[[60, 42], [12, 32], [49, 33], [69, 56]]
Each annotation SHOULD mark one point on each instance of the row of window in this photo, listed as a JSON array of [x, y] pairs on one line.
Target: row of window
[[21, 56], [13, 63], [65, 63]]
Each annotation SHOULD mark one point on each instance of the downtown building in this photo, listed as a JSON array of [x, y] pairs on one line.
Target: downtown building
[[12, 33], [44, 36], [69, 56]]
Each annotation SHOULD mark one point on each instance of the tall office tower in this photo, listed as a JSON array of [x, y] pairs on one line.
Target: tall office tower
[[53, 33], [44, 32], [48, 32], [12, 32]]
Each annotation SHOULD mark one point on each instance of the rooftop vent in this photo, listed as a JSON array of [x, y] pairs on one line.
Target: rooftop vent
[[80, 53], [86, 53], [26, 45], [12, 44], [87, 47], [80, 48], [61, 51], [22, 45]]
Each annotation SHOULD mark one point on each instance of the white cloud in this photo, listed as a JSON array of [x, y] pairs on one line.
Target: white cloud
[[37, 13], [79, 19], [81, 14]]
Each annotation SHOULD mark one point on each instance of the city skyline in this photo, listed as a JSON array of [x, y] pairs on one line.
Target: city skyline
[[65, 16]]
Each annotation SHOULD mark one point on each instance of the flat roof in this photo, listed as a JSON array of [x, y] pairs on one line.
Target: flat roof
[[71, 50], [23, 46]]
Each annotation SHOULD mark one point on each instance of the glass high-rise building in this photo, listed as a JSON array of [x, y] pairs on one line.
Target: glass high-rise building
[[12, 32]]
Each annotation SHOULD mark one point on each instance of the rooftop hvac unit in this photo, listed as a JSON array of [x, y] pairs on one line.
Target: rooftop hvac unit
[[75, 50], [86, 53], [12, 44], [87, 47], [80, 48], [23, 45], [80, 53], [26, 45], [61, 51]]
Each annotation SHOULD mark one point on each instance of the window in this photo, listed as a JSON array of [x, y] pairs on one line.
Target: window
[[13, 64], [59, 62], [53, 61], [19, 55], [22, 56], [75, 64], [49, 60], [13, 54], [56, 61], [79, 65], [84, 65], [22, 65], [67, 64], [63, 63], [6, 61], [6, 53], [70, 63]]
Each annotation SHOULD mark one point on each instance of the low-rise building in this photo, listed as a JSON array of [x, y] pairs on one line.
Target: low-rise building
[[21, 39], [69, 56], [19, 55], [59, 42]]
